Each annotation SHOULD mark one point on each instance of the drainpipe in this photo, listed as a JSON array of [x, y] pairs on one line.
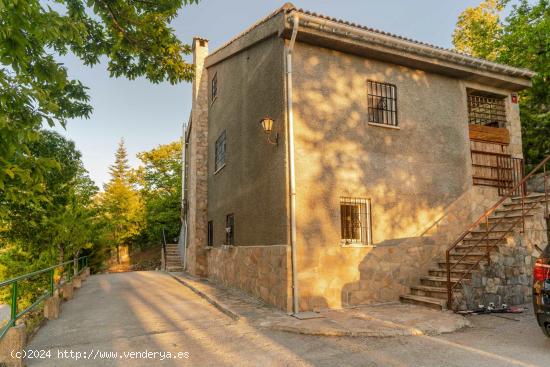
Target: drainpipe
[[292, 178], [183, 237]]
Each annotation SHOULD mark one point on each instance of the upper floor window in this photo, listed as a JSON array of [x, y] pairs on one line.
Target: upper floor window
[[220, 152], [382, 99], [486, 109], [214, 91], [230, 230], [355, 221]]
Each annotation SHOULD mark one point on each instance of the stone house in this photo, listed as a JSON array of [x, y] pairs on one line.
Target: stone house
[[328, 164]]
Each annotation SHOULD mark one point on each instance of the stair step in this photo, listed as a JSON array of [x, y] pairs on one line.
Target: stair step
[[472, 256], [428, 291], [431, 302], [531, 197], [509, 217], [455, 273], [463, 265], [174, 268], [433, 281]]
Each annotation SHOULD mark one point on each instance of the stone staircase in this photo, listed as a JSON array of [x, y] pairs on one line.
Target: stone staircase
[[432, 290], [173, 258]]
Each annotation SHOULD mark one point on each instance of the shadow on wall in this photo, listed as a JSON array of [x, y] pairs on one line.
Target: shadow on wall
[[416, 177]]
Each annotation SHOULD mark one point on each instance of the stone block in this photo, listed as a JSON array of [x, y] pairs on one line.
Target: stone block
[[52, 307], [77, 282], [67, 291], [12, 345]]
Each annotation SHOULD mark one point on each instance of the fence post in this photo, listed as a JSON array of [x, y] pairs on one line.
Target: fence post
[[13, 302], [52, 286]]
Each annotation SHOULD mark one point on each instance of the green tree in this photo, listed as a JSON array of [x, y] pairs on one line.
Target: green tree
[[159, 177], [521, 40], [37, 234], [134, 37], [121, 204]]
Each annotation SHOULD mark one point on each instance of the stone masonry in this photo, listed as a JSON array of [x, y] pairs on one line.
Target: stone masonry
[[508, 278], [198, 149]]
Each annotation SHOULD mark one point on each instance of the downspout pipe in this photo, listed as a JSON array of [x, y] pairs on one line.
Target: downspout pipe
[[291, 165], [183, 239]]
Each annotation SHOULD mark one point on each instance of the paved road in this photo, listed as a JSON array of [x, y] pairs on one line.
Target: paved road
[[150, 311]]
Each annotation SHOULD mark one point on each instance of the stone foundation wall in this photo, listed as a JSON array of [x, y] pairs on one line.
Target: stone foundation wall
[[262, 271], [508, 279]]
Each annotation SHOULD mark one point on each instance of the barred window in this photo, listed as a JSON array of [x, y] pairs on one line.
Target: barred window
[[220, 152], [210, 236], [355, 221], [214, 86], [486, 110], [382, 102], [230, 230]]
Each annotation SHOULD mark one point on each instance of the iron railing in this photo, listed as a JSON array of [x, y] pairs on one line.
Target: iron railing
[[485, 237], [164, 248], [80, 264]]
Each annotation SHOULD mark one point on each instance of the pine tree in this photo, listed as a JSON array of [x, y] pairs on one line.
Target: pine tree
[[119, 170], [121, 204]]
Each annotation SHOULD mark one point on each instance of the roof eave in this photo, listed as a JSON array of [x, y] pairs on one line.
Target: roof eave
[[351, 39]]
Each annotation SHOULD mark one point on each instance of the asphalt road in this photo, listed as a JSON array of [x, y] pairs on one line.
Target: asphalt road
[[115, 315]]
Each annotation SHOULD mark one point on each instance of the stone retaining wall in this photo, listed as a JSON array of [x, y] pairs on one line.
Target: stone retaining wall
[[260, 270], [508, 279]]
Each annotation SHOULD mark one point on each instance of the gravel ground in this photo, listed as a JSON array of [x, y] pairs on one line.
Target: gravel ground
[[150, 311]]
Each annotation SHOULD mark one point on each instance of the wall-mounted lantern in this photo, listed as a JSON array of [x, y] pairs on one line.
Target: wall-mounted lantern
[[267, 125]]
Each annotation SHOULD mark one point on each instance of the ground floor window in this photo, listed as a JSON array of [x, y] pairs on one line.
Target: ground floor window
[[355, 221], [210, 237]]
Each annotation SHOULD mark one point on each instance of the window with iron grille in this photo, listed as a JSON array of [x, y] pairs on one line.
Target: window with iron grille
[[220, 152], [382, 103], [230, 230], [210, 237], [355, 221], [485, 110], [214, 91]]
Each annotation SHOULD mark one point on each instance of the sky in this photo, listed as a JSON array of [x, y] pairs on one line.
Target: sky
[[147, 115]]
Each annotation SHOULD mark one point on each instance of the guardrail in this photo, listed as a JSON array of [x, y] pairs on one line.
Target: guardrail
[[81, 264]]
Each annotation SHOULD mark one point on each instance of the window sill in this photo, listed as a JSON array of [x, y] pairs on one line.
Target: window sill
[[384, 125], [356, 245], [219, 169], [227, 247]]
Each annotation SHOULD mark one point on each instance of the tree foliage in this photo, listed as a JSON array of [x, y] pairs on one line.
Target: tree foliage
[[159, 177], [134, 36], [37, 234], [121, 204], [521, 40]]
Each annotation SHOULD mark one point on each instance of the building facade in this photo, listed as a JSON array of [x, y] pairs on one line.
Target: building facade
[[381, 151]]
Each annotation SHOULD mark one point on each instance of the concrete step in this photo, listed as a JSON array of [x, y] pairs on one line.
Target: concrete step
[[532, 198], [494, 233], [440, 282], [493, 240], [508, 217], [455, 273], [463, 265], [431, 302], [472, 256], [427, 291], [517, 209], [174, 268]]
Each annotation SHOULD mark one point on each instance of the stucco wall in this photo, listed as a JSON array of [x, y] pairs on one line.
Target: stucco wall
[[418, 177], [252, 183]]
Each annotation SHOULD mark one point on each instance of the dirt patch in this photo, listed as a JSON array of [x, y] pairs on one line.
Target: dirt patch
[[148, 259]]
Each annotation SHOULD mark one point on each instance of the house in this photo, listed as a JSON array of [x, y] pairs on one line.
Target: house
[[329, 164]]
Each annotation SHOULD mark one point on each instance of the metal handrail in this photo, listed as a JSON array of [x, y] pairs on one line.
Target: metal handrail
[[81, 264], [164, 248], [485, 216]]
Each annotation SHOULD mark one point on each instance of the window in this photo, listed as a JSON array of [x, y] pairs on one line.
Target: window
[[382, 99], [214, 90], [355, 221], [487, 110], [210, 237], [220, 152], [230, 230]]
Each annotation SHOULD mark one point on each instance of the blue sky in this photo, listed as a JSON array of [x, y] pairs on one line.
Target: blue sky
[[147, 115]]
